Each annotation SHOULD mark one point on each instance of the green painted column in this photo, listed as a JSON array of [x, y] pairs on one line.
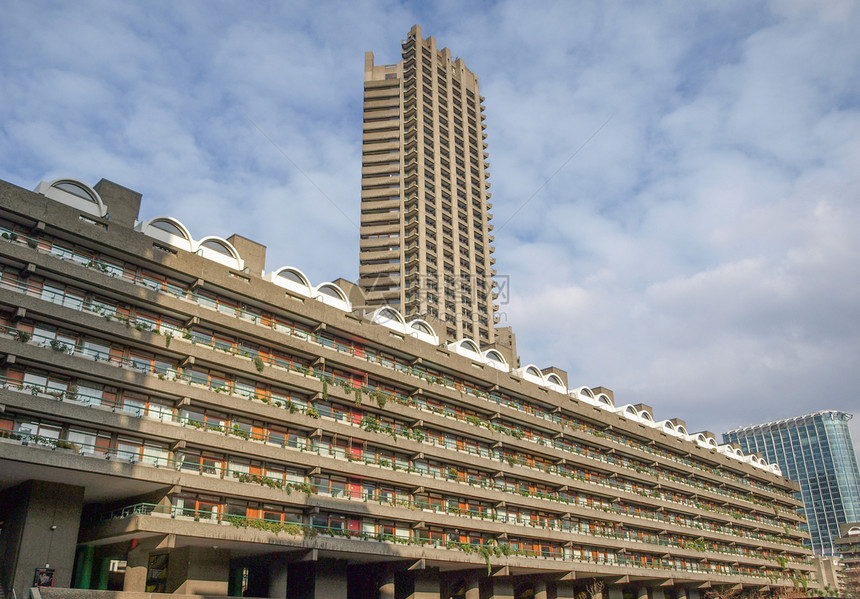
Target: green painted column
[[104, 572], [235, 586], [84, 569]]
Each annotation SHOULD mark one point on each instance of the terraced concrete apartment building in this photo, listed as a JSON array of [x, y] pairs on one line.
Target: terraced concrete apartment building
[[426, 242], [174, 419]]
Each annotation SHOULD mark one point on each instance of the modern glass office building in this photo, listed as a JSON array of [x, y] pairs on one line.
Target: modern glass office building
[[816, 451]]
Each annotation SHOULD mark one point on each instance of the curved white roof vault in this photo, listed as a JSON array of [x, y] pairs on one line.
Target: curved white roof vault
[[495, 359], [584, 394], [421, 329], [467, 348], [555, 383], [532, 373], [604, 401], [389, 317], [220, 250], [75, 194], [169, 230], [291, 278], [332, 295], [667, 426]]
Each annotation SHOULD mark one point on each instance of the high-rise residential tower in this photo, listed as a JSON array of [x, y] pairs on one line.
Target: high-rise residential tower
[[425, 223], [816, 451]]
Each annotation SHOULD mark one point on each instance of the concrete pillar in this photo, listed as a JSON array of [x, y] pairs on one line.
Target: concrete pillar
[[657, 593], [104, 573], [564, 590], [331, 580], [693, 594], [642, 592], [540, 590], [198, 571], [386, 586], [137, 561], [41, 522], [501, 589], [426, 586], [473, 588], [84, 567], [278, 579], [614, 592], [682, 592]]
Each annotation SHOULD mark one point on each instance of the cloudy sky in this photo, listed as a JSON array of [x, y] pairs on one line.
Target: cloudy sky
[[675, 185]]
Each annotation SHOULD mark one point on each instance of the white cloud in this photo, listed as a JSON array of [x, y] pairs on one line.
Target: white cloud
[[698, 254]]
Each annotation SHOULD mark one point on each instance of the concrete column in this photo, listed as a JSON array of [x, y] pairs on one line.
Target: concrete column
[[693, 594], [501, 589], [84, 567], [540, 590], [682, 592], [137, 561], [614, 593], [41, 522], [331, 580], [473, 589], [386, 586], [198, 571], [426, 586], [104, 573], [657, 593], [642, 592], [564, 590], [278, 579]]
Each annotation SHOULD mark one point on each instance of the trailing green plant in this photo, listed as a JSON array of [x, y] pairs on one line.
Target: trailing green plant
[[22, 336], [269, 526], [238, 432], [59, 346], [358, 396], [371, 424], [312, 412], [168, 337], [487, 553], [380, 397], [325, 389], [258, 363]]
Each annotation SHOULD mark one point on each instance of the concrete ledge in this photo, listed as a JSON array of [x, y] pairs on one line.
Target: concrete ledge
[[57, 593]]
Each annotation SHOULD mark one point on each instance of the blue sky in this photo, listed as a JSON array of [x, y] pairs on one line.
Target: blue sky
[[699, 253]]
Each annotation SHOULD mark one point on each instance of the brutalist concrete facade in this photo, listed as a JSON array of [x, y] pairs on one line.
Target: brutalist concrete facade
[[222, 431]]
